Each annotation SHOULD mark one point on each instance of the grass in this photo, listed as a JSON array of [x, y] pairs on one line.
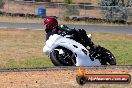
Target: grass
[[28, 63], [23, 48], [40, 20], [20, 19], [120, 45]]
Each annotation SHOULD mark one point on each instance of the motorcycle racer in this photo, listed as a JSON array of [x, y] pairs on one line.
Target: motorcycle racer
[[79, 35], [66, 56]]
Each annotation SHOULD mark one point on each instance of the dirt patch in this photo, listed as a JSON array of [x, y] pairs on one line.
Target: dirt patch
[[57, 79]]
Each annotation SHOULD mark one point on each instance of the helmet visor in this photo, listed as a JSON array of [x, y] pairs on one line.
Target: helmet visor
[[48, 27]]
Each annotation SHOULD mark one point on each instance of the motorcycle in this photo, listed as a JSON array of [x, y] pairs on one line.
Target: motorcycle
[[64, 51]]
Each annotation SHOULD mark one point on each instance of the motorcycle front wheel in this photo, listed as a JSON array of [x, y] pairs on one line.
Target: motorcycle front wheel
[[104, 55]]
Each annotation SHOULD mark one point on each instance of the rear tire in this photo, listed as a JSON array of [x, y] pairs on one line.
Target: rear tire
[[62, 60], [54, 59]]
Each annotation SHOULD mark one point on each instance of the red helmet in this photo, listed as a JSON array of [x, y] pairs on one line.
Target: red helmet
[[51, 23]]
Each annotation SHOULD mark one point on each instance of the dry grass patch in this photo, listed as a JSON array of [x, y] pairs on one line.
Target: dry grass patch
[[23, 48], [19, 45], [20, 19], [111, 37]]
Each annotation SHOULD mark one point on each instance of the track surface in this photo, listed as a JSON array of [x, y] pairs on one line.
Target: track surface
[[63, 77], [61, 68], [109, 29]]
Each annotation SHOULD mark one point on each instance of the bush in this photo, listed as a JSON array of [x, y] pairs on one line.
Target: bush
[[68, 1], [70, 11]]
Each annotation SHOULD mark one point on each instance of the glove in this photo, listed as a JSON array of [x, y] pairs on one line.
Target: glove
[[63, 33]]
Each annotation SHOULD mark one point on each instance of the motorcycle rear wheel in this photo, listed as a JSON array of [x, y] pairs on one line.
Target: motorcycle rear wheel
[[62, 60]]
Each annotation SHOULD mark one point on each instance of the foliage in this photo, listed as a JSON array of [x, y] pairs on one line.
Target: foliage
[[68, 1], [43, 0], [114, 10], [1, 3], [72, 10]]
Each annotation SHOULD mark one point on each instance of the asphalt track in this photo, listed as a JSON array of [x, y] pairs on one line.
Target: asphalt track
[[90, 28]]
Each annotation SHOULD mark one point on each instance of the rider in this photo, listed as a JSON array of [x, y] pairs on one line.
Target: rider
[[79, 35]]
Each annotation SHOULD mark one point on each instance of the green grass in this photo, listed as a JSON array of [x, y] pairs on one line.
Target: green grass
[[23, 48], [28, 63], [121, 49], [119, 44]]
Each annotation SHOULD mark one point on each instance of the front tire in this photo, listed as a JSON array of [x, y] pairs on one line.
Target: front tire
[[104, 55], [107, 58]]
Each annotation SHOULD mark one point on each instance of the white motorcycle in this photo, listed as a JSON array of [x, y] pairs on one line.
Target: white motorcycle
[[64, 51]]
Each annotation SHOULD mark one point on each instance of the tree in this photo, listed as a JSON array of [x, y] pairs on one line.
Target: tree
[[129, 3], [1, 3], [114, 10]]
